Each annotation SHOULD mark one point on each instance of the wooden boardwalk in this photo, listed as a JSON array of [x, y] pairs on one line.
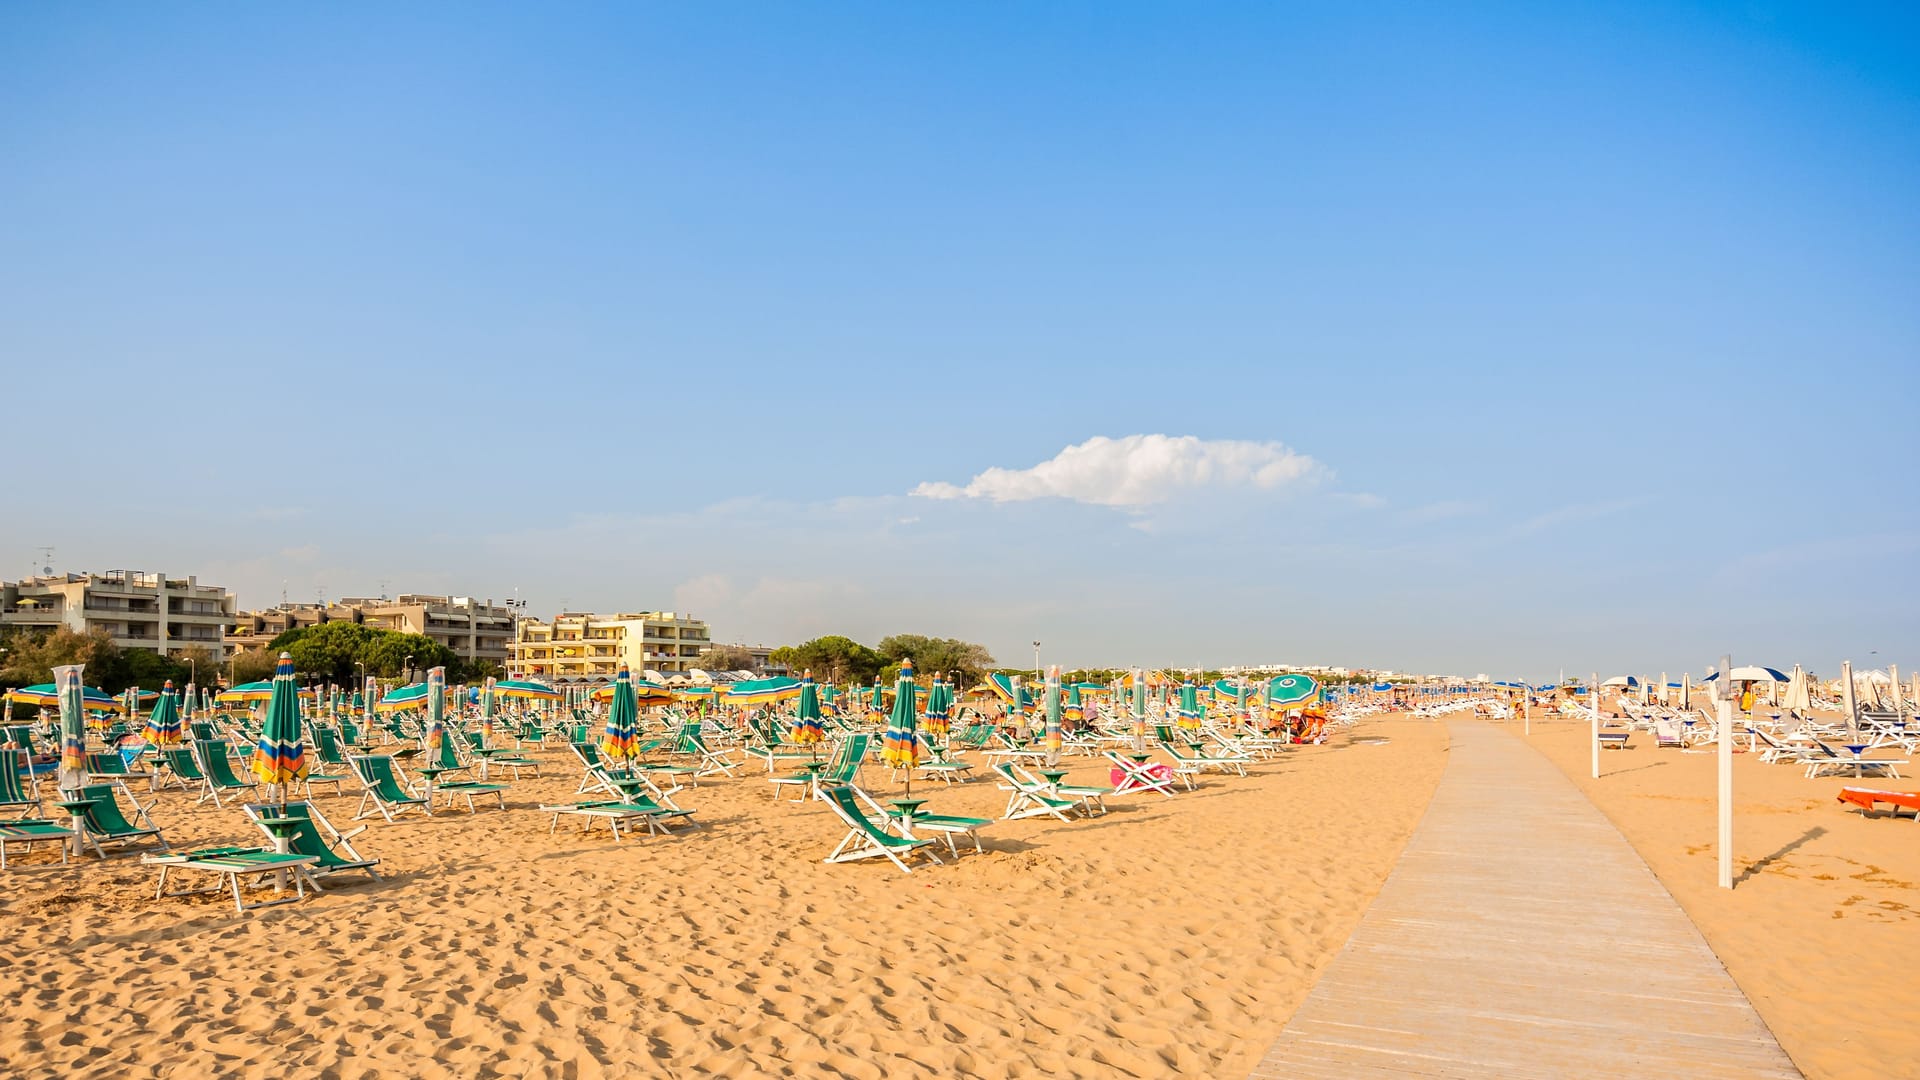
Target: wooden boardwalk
[[1520, 935]]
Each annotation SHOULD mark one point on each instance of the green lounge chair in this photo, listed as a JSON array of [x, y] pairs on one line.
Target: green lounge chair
[[1029, 799], [384, 793], [865, 840], [218, 770], [105, 825], [31, 831], [177, 768], [947, 826], [843, 768], [616, 812], [111, 768], [1090, 800], [1192, 758], [229, 864], [202, 731], [448, 761], [317, 837], [17, 795], [498, 757], [936, 765], [708, 761]]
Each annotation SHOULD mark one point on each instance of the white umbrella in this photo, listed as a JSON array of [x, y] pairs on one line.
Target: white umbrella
[[1799, 699], [1846, 697]]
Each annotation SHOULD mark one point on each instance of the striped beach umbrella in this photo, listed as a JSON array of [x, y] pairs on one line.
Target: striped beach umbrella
[[279, 759], [1052, 739], [248, 692], [526, 690], [1188, 715], [73, 726], [899, 746], [940, 707], [878, 701], [188, 702], [486, 710], [623, 718], [807, 728], [163, 724], [411, 696], [436, 713], [47, 696], [1139, 710]]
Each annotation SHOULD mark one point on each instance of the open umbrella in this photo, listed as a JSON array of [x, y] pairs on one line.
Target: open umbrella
[[47, 696], [899, 746], [278, 758], [73, 727], [623, 719], [526, 690], [763, 691], [163, 724], [407, 697], [807, 728], [247, 692]]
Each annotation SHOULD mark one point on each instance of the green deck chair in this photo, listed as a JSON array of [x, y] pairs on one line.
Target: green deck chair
[[106, 825], [16, 794], [317, 837], [384, 791], [218, 768], [865, 840]]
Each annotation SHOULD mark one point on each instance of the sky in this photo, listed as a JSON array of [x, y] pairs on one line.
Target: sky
[[1502, 338]]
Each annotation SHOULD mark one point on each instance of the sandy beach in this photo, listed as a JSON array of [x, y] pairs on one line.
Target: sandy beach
[[1822, 928], [1169, 938]]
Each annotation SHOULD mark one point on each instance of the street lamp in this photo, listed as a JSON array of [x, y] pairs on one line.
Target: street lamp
[[1036, 660], [409, 667]]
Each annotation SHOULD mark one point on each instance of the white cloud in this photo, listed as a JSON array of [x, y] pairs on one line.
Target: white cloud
[[1138, 470]]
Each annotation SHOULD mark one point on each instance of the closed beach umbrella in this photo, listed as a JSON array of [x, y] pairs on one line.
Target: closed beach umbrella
[[1188, 714], [878, 701], [939, 707], [807, 728], [623, 719], [486, 710], [1847, 701], [163, 724], [279, 758], [73, 727], [436, 713], [899, 746], [187, 703], [1052, 739]]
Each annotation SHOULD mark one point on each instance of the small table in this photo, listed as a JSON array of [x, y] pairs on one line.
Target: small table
[[77, 809], [1054, 777], [1856, 749], [904, 812]]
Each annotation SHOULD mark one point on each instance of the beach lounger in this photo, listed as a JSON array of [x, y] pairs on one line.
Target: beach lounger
[[498, 757], [865, 840], [30, 831], [111, 768], [1091, 801], [229, 865], [1868, 800], [332, 849], [217, 769], [650, 814], [842, 768], [947, 826], [106, 825], [1139, 775], [18, 794], [384, 792], [708, 761], [1615, 740], [1029, 799]]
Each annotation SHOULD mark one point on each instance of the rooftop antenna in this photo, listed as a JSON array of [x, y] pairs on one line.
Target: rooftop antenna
[[46, 560], [383, 588], [283, 592]]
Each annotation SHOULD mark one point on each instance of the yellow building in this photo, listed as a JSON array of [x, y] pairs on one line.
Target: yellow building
[[581, 646]]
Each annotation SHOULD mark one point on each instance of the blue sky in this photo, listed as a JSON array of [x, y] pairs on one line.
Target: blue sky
[[1493, 338]]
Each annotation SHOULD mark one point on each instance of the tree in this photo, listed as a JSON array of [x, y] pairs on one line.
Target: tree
[[833, 657], [964, 661], [253, 665], [33, 654], [330, 650], [725, 658], [387, 654]]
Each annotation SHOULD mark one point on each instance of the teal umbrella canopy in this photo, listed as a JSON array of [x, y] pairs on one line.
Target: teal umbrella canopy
[[163, 724], [808, 727], [279, 758], [623, 718], [898, 746]]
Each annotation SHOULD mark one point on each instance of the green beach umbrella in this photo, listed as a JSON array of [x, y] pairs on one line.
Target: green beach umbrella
[[939, 706], [187, 702], [163, 724], [437, 744], [1189, 712], [899, 746], [878, 702], [279, 759], [1052, 740], [407, 697], [486, 711], [807, 727], [623, 718], [73, 726], [1139, 709]]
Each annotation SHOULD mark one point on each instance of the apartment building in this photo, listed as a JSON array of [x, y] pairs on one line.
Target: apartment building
[[473, 629], [582, 646], [140, 610]]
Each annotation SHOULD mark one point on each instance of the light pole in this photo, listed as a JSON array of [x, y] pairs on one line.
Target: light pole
[[1036, 661], [409, 668]]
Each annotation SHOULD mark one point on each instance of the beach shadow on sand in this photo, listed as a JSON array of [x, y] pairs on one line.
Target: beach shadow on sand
[[1761, 864]]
